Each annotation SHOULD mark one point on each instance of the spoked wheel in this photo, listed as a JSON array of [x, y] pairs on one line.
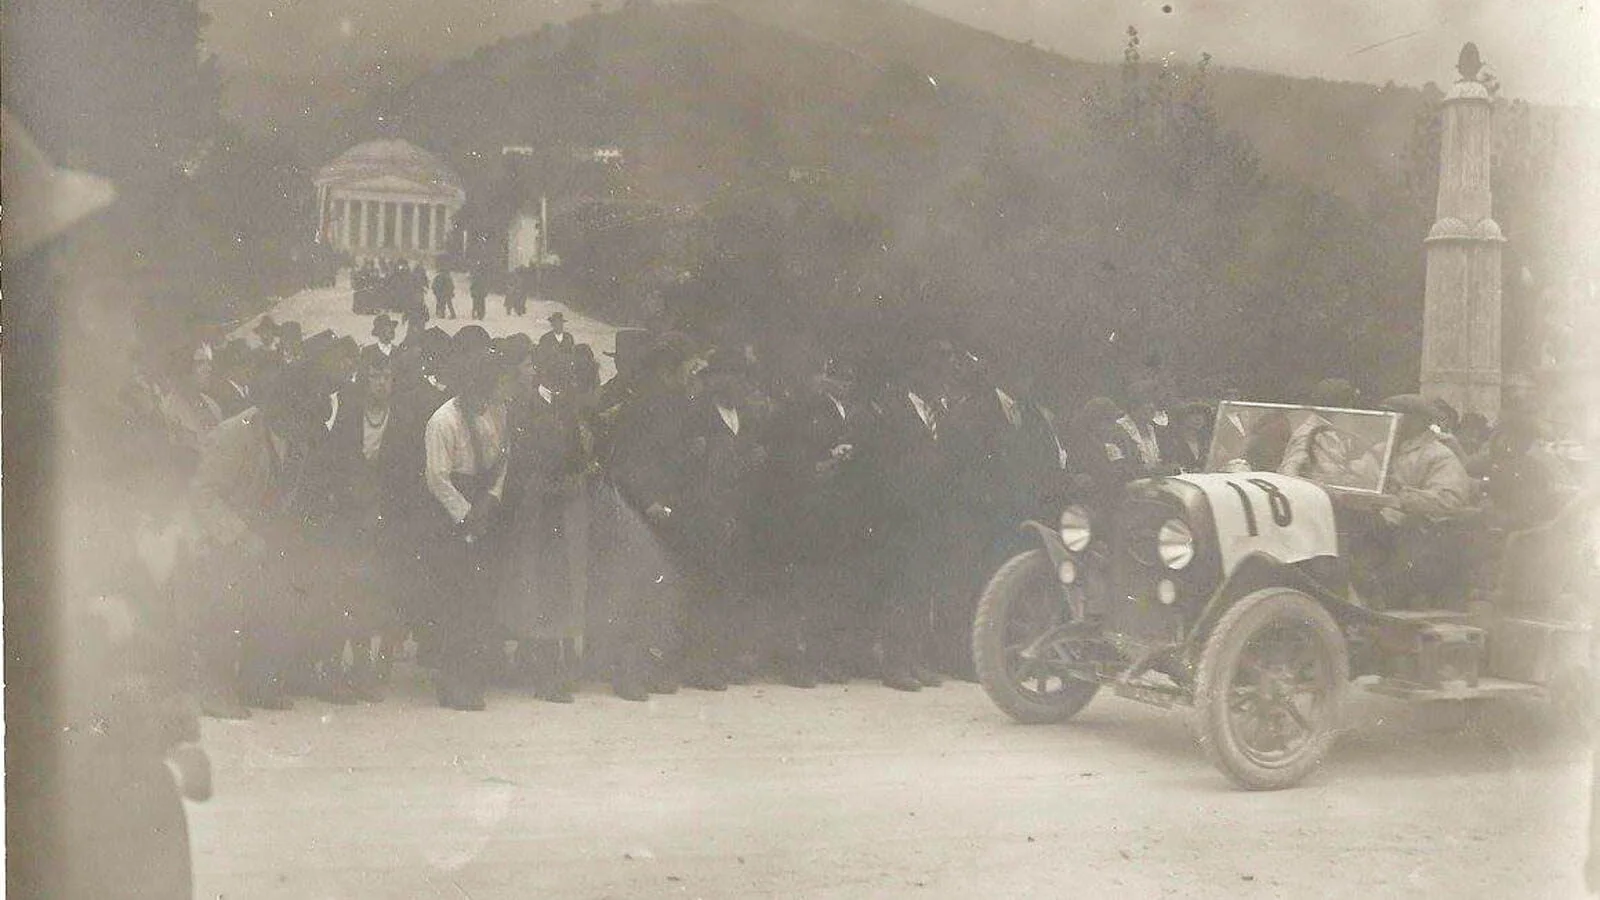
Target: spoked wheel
[[1018, 646], [1268, 689]]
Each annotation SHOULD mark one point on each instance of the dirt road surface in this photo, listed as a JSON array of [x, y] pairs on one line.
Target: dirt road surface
[[857, 791]]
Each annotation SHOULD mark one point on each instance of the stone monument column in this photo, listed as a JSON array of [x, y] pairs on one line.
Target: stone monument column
[[1461, 307]]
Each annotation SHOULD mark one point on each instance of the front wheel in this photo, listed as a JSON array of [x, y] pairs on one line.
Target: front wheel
[[1021, 604], [1268, 688]]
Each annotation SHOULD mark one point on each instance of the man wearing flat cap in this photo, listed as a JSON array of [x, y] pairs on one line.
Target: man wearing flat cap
[[1426, 477], [1427, 488]]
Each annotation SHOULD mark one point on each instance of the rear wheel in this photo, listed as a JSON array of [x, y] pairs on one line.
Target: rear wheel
[[1268, 689], [1021, 604]]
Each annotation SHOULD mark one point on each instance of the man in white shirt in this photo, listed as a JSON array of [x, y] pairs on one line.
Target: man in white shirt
[[465, 474], [1140, 423]]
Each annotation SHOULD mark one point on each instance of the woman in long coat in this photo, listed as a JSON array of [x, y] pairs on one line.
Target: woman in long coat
[[543, 596]]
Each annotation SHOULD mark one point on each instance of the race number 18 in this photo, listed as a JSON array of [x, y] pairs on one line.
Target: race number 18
[[1277, 504]]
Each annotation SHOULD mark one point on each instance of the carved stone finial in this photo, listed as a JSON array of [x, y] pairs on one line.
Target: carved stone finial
[[1469, 64]]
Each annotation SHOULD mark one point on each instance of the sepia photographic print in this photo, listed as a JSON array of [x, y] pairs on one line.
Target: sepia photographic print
[[800, 448]]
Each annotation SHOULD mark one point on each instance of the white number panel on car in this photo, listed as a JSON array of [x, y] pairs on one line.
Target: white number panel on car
[[1287, 518]]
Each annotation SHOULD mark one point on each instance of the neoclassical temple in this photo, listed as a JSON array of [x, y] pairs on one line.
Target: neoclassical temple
[[388, 199]]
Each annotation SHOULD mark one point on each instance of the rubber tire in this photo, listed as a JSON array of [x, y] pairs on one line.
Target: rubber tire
[[988, 646], [1217, 662]]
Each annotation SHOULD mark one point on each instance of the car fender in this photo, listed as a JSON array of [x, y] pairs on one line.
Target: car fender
[[1050, 540], [1261, 570]]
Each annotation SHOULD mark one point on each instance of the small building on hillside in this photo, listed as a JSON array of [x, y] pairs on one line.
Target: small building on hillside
[[527, 244], [388, 199]]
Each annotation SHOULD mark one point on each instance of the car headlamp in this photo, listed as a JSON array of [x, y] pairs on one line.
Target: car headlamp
[[1075, 532], [1175, 544], [1067, 572]]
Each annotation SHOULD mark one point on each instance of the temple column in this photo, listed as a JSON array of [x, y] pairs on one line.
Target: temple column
[[1461, 306]]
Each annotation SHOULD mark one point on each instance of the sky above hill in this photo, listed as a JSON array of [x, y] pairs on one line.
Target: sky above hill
[[1542, 50]]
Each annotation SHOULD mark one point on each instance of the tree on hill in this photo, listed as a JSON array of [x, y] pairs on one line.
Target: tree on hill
[[1095, 240]]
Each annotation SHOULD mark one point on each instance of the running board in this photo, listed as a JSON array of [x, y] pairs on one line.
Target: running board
[[1486, 689]]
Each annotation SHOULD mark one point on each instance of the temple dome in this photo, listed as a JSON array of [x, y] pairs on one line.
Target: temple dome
[[391, 160]]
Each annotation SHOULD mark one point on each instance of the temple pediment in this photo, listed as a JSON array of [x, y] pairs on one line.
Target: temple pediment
[[397, 185]]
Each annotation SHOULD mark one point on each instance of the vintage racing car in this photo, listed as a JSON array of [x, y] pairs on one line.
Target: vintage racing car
[[1238, 593]]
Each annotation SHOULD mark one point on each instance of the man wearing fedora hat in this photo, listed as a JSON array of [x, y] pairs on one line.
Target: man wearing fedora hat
[[557, 338], [383, 330]]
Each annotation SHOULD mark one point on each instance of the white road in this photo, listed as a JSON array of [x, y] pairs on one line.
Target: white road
[[857, 791], [317, 309]]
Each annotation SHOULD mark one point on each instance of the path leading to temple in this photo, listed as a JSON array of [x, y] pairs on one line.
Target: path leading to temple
[[317, 309]]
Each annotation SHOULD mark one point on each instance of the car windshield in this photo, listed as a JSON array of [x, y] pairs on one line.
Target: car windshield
[[1346, 449]]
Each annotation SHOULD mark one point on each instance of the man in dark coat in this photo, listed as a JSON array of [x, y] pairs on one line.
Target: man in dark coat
[[419, 391], [729, 453], [517, 293], [980, 431], [817, 525], [416, 289], [557, 337], [917, 477], [1102, 452], [383, 332], [444, 295], [479, 289], [644, 440], [231, 380], [361, 285], [1183, 442], [246, 501]]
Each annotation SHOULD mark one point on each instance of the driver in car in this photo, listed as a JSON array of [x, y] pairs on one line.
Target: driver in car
[[1317, 450]]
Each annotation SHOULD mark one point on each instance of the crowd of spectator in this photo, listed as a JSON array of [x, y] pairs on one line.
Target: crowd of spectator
[[706, 516]]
